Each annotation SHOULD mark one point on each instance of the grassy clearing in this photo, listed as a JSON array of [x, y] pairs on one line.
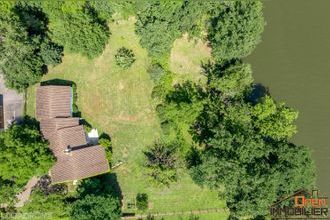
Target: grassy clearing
[[118, 102], [186, 58]]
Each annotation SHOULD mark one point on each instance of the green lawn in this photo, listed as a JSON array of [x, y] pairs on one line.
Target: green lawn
[[208, 216], [118, 102]]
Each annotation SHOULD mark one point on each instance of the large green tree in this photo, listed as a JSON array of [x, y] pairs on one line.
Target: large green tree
[[255, 173], [161, 162], [96, 207], [25, 49], [23, 153], [244, 146], [235, 29], [160, 22], [79, 26], [232, 81], [48, 200], [158, 25], [274, 120]]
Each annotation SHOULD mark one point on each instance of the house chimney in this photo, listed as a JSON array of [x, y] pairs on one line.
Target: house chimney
[[68, 149]]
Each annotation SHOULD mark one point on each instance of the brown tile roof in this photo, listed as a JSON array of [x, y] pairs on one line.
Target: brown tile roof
[[64, 137], [81, 163], [53, 111], [49, 126], [53, 101]]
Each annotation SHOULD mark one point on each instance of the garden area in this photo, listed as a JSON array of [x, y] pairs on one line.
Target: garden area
[[118, 102]]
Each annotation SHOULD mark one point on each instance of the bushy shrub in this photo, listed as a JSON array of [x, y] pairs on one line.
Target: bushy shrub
[[106, 143], [155, 71], [87, 127], [161, 162], [124, 57], [164, 85], [142, 201]]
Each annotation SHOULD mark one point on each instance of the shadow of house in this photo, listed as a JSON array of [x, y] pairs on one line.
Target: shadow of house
[[58, 82]]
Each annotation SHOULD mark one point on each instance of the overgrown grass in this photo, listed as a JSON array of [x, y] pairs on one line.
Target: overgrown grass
[[186, 58], [118, 102]]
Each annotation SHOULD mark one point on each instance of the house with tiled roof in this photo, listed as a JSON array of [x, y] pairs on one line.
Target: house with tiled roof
[[53, 102], [75, 158]]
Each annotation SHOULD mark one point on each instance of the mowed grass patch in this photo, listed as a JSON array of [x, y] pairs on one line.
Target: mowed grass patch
[[118, 102], [204, 216], [186, 58]]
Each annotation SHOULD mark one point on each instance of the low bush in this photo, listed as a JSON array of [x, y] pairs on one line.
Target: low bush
[[124, 57], [142, 201]]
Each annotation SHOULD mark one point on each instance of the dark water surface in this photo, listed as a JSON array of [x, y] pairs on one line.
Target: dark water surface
[[293, 61]]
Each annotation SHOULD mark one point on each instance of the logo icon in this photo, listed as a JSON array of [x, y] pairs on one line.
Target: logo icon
[[301, 205]]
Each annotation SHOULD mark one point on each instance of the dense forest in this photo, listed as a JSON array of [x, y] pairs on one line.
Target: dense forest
[[227, 132]]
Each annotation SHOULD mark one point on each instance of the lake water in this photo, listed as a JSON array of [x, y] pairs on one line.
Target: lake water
[[293, 61]]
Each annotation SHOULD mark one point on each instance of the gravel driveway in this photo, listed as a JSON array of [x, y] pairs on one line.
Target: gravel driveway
[[13, 104]]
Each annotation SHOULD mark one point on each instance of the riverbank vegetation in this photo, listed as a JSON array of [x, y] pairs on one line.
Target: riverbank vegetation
[[187, 137]]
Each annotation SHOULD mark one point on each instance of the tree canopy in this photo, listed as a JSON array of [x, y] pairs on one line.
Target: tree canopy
[[236, 29], [274, 120], [96, 207], [23, 153], [233, 28], [157, 24], [34, 34], [236, 80], [245, 146], [160, 22], [79, 26], [42, 204], [161, 162], [26, 48]]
